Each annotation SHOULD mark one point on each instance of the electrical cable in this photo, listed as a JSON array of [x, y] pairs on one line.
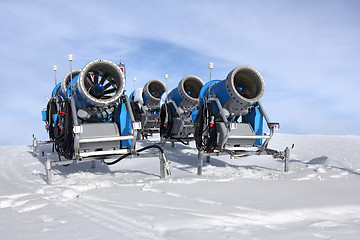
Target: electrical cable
[[136, 110], [166, 121], [63, 132], [205, 134], [180, 140], [51, 109], [136, 152]]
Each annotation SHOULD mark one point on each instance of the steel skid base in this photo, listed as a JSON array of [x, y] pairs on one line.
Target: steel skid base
[[285, 155], [49, 163], [238, 139], [173, 140]]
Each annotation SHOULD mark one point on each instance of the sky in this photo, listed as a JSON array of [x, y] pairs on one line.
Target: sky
[[306, 51]]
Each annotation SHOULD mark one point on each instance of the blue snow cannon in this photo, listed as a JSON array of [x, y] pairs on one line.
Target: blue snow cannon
[[176, 112], [100, 83], [61, 88], [243, 87], [186, 95], [145, 106], [152, 92], [230, 119], [89, 115], [233, 110], [58, 94]]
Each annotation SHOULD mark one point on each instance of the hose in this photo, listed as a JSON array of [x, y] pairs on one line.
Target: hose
[[166, 121], [180, 140], [63, 132], [205, 134], [136, 110], [51, 109], [136, 152]]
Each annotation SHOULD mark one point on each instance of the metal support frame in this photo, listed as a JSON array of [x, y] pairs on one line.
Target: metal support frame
[[49, 164], [48, 170], [246, 151], [94, 156], [201, 155], [285, 155], [178, 137], [77, 140], [36, 143], [150, 119]]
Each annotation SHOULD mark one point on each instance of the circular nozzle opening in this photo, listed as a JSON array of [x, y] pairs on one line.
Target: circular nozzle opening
[[192, 86], [65, 82], [248, 83], [156, 88], [102, 82]]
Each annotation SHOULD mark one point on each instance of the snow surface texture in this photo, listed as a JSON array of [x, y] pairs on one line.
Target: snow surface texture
[[248, 198]]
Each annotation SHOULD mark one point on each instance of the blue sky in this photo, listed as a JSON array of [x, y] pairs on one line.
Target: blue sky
[[307, 52]]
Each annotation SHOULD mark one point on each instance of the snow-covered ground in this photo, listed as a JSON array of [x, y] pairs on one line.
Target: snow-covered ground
[[247, 198]]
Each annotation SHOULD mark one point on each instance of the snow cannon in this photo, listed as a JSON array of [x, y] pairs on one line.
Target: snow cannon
[[100, 83], [94, 120], [145, 106], [61, 88], [186, 95], [230, 118], [176, 111], [92, 117], [96, 90], [243, 86], [152, 92]]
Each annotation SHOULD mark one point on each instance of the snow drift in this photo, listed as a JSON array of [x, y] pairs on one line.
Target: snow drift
[[248, 198]]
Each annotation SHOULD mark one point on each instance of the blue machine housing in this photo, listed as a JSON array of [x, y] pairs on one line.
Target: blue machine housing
[[186, 95], [175, 96], [238, 94], [131, 95], [61, 88], [89, 82], [90, 112], [57, 91], [256, 120], [203, 98], [152, 92], [243, 86], [80, 101], [204, 91], [123, 120]]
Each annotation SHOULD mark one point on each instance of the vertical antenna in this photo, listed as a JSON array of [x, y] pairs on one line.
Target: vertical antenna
[[211, 66], [134, 84], [166, 83], [71, 58], [55, 68]]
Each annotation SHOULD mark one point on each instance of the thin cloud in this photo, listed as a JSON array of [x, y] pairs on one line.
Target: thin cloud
[[307, 55]]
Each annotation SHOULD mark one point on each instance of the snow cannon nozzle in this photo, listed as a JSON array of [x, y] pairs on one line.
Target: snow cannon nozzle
[[61, 88], [65, 82], [99, 83], [243, 86], [145, 104], [152, 92], [186, 95]]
